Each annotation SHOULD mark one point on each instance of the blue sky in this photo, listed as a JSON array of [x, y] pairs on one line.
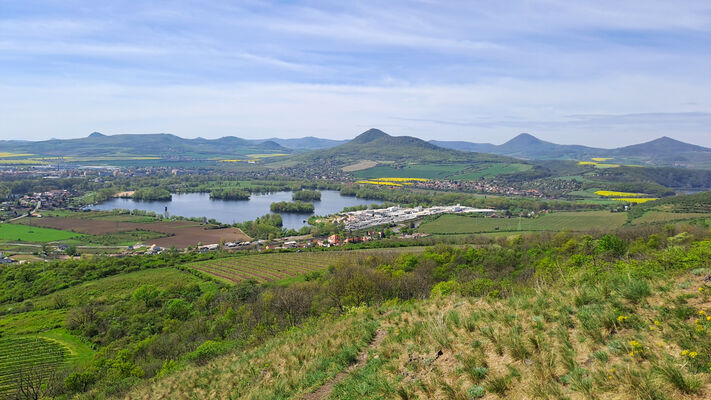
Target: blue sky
[[602, 73]]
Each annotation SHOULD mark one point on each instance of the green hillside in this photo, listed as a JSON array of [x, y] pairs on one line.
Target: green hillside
[[377, 145], [161, 144], [521, 319]]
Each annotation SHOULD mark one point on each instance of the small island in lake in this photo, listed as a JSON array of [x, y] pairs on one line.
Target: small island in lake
[[152, 194], [306, 195], [292, 207], [229, 194]]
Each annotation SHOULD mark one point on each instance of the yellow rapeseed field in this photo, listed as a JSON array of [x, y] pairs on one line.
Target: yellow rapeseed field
[[636, 200], [8, 155], [380, 183], [610, 193], [598, 164], [401, 179]]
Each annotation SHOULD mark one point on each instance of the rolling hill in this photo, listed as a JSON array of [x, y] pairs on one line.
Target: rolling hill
[[664, 151], [305, 143], [159, 144], [377, 145]]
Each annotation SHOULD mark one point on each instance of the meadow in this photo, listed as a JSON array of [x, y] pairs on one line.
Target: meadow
[[33, 234], [492, 171], [426, 171], [559, 221], [651, 217], [441, 171]]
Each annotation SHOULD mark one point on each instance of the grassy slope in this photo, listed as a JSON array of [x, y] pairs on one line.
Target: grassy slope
[[592, 334], [286, 366], [573, 221]]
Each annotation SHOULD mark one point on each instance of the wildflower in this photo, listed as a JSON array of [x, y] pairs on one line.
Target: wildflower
[[701, 289], [656, 322], [635, 344], [693, 354], [708, 318], [622, 318], [684, 352], [660, 343], [696, 321], [699, 328], [702, 312], [631, 353], [651, 327]]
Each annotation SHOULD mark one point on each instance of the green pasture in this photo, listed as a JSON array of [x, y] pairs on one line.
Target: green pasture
[[30, 322], [651, 217], [562, 221], [33, 234], [492, 171], [426, 171]]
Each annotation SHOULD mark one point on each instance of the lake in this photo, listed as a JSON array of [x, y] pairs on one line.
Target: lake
[[231, 211]]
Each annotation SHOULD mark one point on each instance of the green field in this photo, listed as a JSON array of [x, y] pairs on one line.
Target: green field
[[492, 171], [572, 221], [283, 267], [427, 171], [32, 234], [651, 217], [441, 171]]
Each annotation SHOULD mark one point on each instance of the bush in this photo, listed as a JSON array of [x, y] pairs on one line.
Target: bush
[[79, 381], [206, 351], [178, 309], [612, 245], [443, 288]]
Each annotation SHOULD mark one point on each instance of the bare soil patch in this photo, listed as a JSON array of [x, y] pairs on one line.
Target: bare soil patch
[[180, 234], [365, 164]]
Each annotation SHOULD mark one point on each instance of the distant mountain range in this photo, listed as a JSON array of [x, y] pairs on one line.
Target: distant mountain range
[[158, 144], [373, 144], [662, 151], [306, 143]]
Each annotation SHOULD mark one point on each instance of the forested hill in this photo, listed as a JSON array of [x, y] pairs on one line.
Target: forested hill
[[664, 151], [377, 145], [158, 144]]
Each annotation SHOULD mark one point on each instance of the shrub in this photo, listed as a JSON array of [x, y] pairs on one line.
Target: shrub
[[612, 245], [206, 351]]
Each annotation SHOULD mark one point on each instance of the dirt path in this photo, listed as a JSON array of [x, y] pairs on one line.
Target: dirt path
[[327, 388]]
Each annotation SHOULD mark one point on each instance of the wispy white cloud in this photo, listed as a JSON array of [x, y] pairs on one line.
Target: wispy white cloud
[[581, 71]]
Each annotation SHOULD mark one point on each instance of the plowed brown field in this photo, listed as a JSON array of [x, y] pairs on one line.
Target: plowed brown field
[[180, 234]]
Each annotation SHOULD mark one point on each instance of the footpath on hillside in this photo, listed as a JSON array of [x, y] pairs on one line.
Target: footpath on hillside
[[326, 389]]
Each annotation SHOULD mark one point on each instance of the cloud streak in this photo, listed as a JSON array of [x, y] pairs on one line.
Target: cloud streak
[[574, 72]]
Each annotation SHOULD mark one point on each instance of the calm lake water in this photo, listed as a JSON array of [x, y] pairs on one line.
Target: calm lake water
[[231, 211]]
